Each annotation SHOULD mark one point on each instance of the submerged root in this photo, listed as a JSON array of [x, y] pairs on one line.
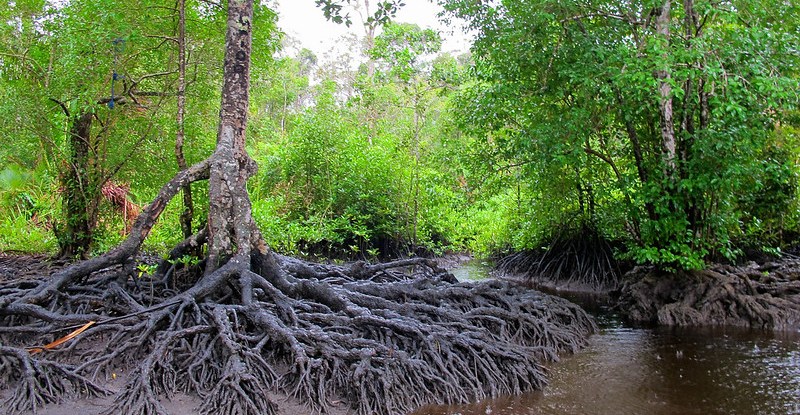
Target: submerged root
[[275, 326]]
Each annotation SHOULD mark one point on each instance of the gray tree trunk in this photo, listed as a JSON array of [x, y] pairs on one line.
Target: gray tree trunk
[[188, 204], [665, 94], [230, 222]]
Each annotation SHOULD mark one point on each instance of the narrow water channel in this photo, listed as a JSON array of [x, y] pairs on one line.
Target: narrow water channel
[[661, 371]]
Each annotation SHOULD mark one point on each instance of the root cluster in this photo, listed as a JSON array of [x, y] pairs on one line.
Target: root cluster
[[578, 259], [384, 338], [759, 296]]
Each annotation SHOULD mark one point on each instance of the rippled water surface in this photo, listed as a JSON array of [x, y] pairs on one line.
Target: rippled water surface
[[645, 371]]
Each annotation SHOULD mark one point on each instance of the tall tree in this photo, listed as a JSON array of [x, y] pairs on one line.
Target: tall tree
[[180, 116], [252, 322], [91, 85], [402, 48]]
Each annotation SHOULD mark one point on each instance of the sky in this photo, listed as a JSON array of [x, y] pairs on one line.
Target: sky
[[302, 20]]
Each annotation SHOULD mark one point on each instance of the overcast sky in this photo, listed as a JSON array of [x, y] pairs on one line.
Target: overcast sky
[[305, 22]]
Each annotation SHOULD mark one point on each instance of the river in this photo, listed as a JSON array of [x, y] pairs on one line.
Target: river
[[662, 371]]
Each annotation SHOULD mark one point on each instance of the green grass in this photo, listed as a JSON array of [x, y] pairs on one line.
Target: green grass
[[21, 234]]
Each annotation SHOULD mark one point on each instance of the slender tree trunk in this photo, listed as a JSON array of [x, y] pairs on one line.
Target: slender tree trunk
[[665, 94], [692, 89], [415, 174], [369, 43], [284, 110], [75, 239], [579, 190], [230, 222], [188, 205], [633, 136], [369, 33]]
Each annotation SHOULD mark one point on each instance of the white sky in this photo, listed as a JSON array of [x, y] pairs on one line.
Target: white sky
[[302, 20]]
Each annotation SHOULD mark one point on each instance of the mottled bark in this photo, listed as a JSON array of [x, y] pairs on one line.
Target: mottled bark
[[229, 215], [75, 238]]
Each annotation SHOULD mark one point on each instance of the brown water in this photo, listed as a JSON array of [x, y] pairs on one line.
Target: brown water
[[647, 371]]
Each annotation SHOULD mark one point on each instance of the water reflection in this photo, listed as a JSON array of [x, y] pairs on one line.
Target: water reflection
[[472, 270], [637, 371]]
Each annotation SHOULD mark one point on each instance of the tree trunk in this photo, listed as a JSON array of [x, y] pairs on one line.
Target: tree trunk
[[75, 239], [665, 94], [188, 205], [229, 219]]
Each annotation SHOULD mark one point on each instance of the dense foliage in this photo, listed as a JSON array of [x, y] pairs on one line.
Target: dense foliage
[[669, 125], [667, 128]]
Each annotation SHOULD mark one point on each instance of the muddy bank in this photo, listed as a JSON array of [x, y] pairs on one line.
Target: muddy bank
[[761, 296], [453, 260], [764, 296], [569, 289], [574, 289]]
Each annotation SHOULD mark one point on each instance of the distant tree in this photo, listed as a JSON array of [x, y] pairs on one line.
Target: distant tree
[[79, 83], [402, 48]]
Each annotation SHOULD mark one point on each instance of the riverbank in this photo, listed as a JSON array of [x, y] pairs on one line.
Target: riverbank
[[762, 296], [753, 295]]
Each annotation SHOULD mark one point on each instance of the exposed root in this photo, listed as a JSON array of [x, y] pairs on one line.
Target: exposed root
[[579, 259], [245, 379], [320, 334], [764, 297], [38, 382]]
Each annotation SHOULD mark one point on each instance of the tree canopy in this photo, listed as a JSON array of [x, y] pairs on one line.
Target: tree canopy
[[667, 123]]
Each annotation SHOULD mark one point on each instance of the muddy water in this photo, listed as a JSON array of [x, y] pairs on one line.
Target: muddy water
[[654, 371], [472, 270]]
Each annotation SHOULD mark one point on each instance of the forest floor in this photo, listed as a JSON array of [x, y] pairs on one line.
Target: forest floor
[[17, 267], [179, 404]]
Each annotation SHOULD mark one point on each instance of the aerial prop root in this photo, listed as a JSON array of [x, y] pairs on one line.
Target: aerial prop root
[[323, 335], [384, 339], [40, 381]]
